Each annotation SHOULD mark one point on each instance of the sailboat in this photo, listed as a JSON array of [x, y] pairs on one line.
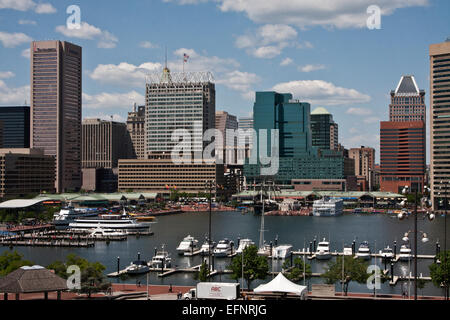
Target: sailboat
[[264, 249]]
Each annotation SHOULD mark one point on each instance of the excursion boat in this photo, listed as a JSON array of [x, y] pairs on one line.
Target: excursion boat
[[138, 267], [364, 251], [323, 250], [128, 225], [188, 244], [405, 253], [68, 214], [161, 259], [102, 232], [244, 243], [282, 251], [387, 253], [223, 248]]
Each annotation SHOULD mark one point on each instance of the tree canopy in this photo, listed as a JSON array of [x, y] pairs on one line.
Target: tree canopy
[[354, 270], [440, 272], [296, 270], [10, 261], [255, 267]]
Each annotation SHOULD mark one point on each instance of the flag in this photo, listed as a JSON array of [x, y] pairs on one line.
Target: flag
[[185, 57]]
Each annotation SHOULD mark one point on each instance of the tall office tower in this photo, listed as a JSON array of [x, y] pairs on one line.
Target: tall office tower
[[245, 123], [56, 108], [323, 129], [136, 128], [407, 101], [440, 123], [226, 122], [402, 139], [364, 159], [104, 143], [16, 126], [185, 101]]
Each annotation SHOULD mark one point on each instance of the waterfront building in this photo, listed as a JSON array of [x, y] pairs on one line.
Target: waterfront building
[[439, 123], [402, 139], [324, 131], [25, 171], [364, 160], [136, 129], [15, 124], [56, 108]]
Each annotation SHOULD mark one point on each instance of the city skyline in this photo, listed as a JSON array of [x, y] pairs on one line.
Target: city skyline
[[309, 55]]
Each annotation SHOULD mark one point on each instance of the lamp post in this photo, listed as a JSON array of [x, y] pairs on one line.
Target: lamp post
[[445, 224], [209, 184]]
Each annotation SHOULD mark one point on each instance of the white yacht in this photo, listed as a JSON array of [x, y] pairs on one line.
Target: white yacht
[[282, 251], [348, 251], [244, 243], [223, 248], [405, 253], [387, 253], [160, 259], [128, 225], [188, 244], [102, 232], [364, 251], [323, 250], [137, 267], [68, 214], [264, 250], [206, 248]]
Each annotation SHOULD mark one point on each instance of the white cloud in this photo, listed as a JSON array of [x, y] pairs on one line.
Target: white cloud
[[11, 40], [112, 100], [266, 52], [286, 62], [321, 92], [13, 95], [307, 13], [311, 67], [147, 45], [26, 53], [124, 73], [90, 32], [239, 81], [359, 111], [199, 62], [182, 2], [29, 22], [25, 5], [6, 74], [371, 120]]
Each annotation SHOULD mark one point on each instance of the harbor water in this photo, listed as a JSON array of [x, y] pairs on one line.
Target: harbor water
[[378, 229]]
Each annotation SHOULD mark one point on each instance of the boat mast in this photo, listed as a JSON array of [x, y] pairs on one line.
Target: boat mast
[[261, 231]]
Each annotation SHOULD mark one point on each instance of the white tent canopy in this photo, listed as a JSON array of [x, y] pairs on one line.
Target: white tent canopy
[[281, 284]]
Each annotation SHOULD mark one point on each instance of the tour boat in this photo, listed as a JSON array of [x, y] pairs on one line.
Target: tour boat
[[405, 253], [223, 248], [244, 243], [323, 250], [188, 244], [68, 214], [128, 225], [364, 251]]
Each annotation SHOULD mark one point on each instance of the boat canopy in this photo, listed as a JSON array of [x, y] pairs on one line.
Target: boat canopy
[[283, 285]]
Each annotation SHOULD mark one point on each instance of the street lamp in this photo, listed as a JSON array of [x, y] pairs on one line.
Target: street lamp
[[445, 222], [209, 185]]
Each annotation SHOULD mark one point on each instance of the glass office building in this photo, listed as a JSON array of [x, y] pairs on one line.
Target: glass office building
[[15, 122]]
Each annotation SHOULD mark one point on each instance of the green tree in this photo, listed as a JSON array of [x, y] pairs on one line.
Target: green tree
[[202, 274], [255, 267], [440, 273], [296, 271], [92, 278], [174, 195], [10, 261], [354, 270]]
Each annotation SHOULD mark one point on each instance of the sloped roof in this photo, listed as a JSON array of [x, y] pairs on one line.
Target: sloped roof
[[281, 284], [407, 84], [32, 279], [21, 203]]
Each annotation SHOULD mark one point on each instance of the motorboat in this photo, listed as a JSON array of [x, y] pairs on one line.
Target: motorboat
[[405, 253], [265, 250], [138, 267], [348, 251], [387, 253], [364, 251], [207, 247], [244, 243], [102, 232], [281, 251], [188, 244], [128, 225], [223, 248], [323, 250], [161, 259], [68, 214]]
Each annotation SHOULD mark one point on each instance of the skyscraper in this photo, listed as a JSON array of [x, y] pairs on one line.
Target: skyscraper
[[323, 129], [56, 108], [136, 128], [364, 159], [402, 139], [16, 126], [224, 122], [440, 123]]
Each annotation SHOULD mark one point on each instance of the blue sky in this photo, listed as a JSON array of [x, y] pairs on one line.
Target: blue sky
[[320, 50]]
